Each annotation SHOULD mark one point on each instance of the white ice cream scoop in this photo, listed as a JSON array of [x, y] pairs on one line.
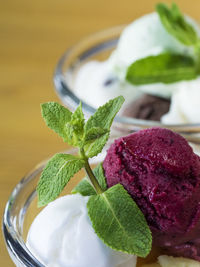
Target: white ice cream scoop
[[62, 236]]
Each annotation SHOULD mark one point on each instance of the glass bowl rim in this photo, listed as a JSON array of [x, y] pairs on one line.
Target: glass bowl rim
[[73, 101], [14, 243]]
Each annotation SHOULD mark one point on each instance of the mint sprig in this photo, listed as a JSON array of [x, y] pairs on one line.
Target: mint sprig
[[169, 67], [90, 137], [115, 216]]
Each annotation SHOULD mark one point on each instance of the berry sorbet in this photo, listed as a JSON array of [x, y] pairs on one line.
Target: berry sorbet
[[162, 173]]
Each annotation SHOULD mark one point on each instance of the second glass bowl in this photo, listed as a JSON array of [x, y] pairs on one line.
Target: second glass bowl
[[98, 47]]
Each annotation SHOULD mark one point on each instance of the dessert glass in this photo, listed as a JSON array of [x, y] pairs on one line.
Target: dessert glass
[[21, 209], [98, 47]]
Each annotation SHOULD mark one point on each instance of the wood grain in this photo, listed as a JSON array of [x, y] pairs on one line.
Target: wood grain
[[33, 35]]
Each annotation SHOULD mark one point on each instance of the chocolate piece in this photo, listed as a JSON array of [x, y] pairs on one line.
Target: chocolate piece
[[147, 107]]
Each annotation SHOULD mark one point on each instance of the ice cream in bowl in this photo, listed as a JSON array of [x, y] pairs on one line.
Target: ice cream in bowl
[[153, 62], [136, 204]]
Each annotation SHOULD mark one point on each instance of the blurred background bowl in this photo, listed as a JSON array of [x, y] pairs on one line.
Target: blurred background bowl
[[98, 47]]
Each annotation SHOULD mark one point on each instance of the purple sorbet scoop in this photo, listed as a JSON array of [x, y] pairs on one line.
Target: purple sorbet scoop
[[162, 173]]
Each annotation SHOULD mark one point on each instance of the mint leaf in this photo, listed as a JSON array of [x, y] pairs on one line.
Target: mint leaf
[[56, 117], [165, 68], [75, 127], [94, 148], [99, 174], [105, 114], [174, 22], [101, 121], [57, 173], [94, 133], [85, 188], [118, 221]]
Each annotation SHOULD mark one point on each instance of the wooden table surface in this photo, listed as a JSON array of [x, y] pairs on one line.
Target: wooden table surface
[[33, 35]]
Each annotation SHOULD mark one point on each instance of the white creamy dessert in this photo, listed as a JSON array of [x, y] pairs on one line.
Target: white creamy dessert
[[97, 82], [62, 236], [185, 104]]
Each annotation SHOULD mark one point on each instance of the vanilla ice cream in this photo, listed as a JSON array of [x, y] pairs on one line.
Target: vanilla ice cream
[[62, 236], [185, 104], [96, 82]]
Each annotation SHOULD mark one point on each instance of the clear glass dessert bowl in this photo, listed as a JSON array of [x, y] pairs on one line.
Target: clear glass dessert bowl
[[21, 209], [98, 47]]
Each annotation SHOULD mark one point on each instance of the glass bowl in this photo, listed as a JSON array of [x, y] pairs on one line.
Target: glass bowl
[[21, 209], [98, 47]]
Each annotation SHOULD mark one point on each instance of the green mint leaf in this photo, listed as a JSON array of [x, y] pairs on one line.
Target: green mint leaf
[[118, 221], [101, 120], [56, 117], [85, 187], [75, 127], [105, 114], [165, 68], [56, 175], [94, 148], [99, 174], [176, 25], [94, 133]]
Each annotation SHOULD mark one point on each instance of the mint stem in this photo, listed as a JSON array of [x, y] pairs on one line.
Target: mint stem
[[92, 178], [90, 173]]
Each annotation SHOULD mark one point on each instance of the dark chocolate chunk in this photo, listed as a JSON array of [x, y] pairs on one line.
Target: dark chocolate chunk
[[147, 107]]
